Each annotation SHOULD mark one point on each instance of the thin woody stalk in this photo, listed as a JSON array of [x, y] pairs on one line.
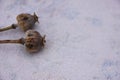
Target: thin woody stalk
[[13, 26], [19, 41]]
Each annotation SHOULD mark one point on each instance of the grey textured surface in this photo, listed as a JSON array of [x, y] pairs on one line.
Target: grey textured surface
[[83, 40]]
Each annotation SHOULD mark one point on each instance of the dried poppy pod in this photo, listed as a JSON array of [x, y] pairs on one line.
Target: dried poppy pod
[[24, 20], [33, 41]]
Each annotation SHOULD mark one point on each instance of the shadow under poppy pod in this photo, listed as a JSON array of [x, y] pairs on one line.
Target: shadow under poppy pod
[[24, 20], [33, 41]]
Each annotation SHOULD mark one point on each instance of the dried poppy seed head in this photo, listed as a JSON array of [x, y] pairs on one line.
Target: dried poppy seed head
[[34, 41], [26, 21]]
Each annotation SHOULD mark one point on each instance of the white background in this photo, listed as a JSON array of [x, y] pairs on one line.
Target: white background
[[83, 40]]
